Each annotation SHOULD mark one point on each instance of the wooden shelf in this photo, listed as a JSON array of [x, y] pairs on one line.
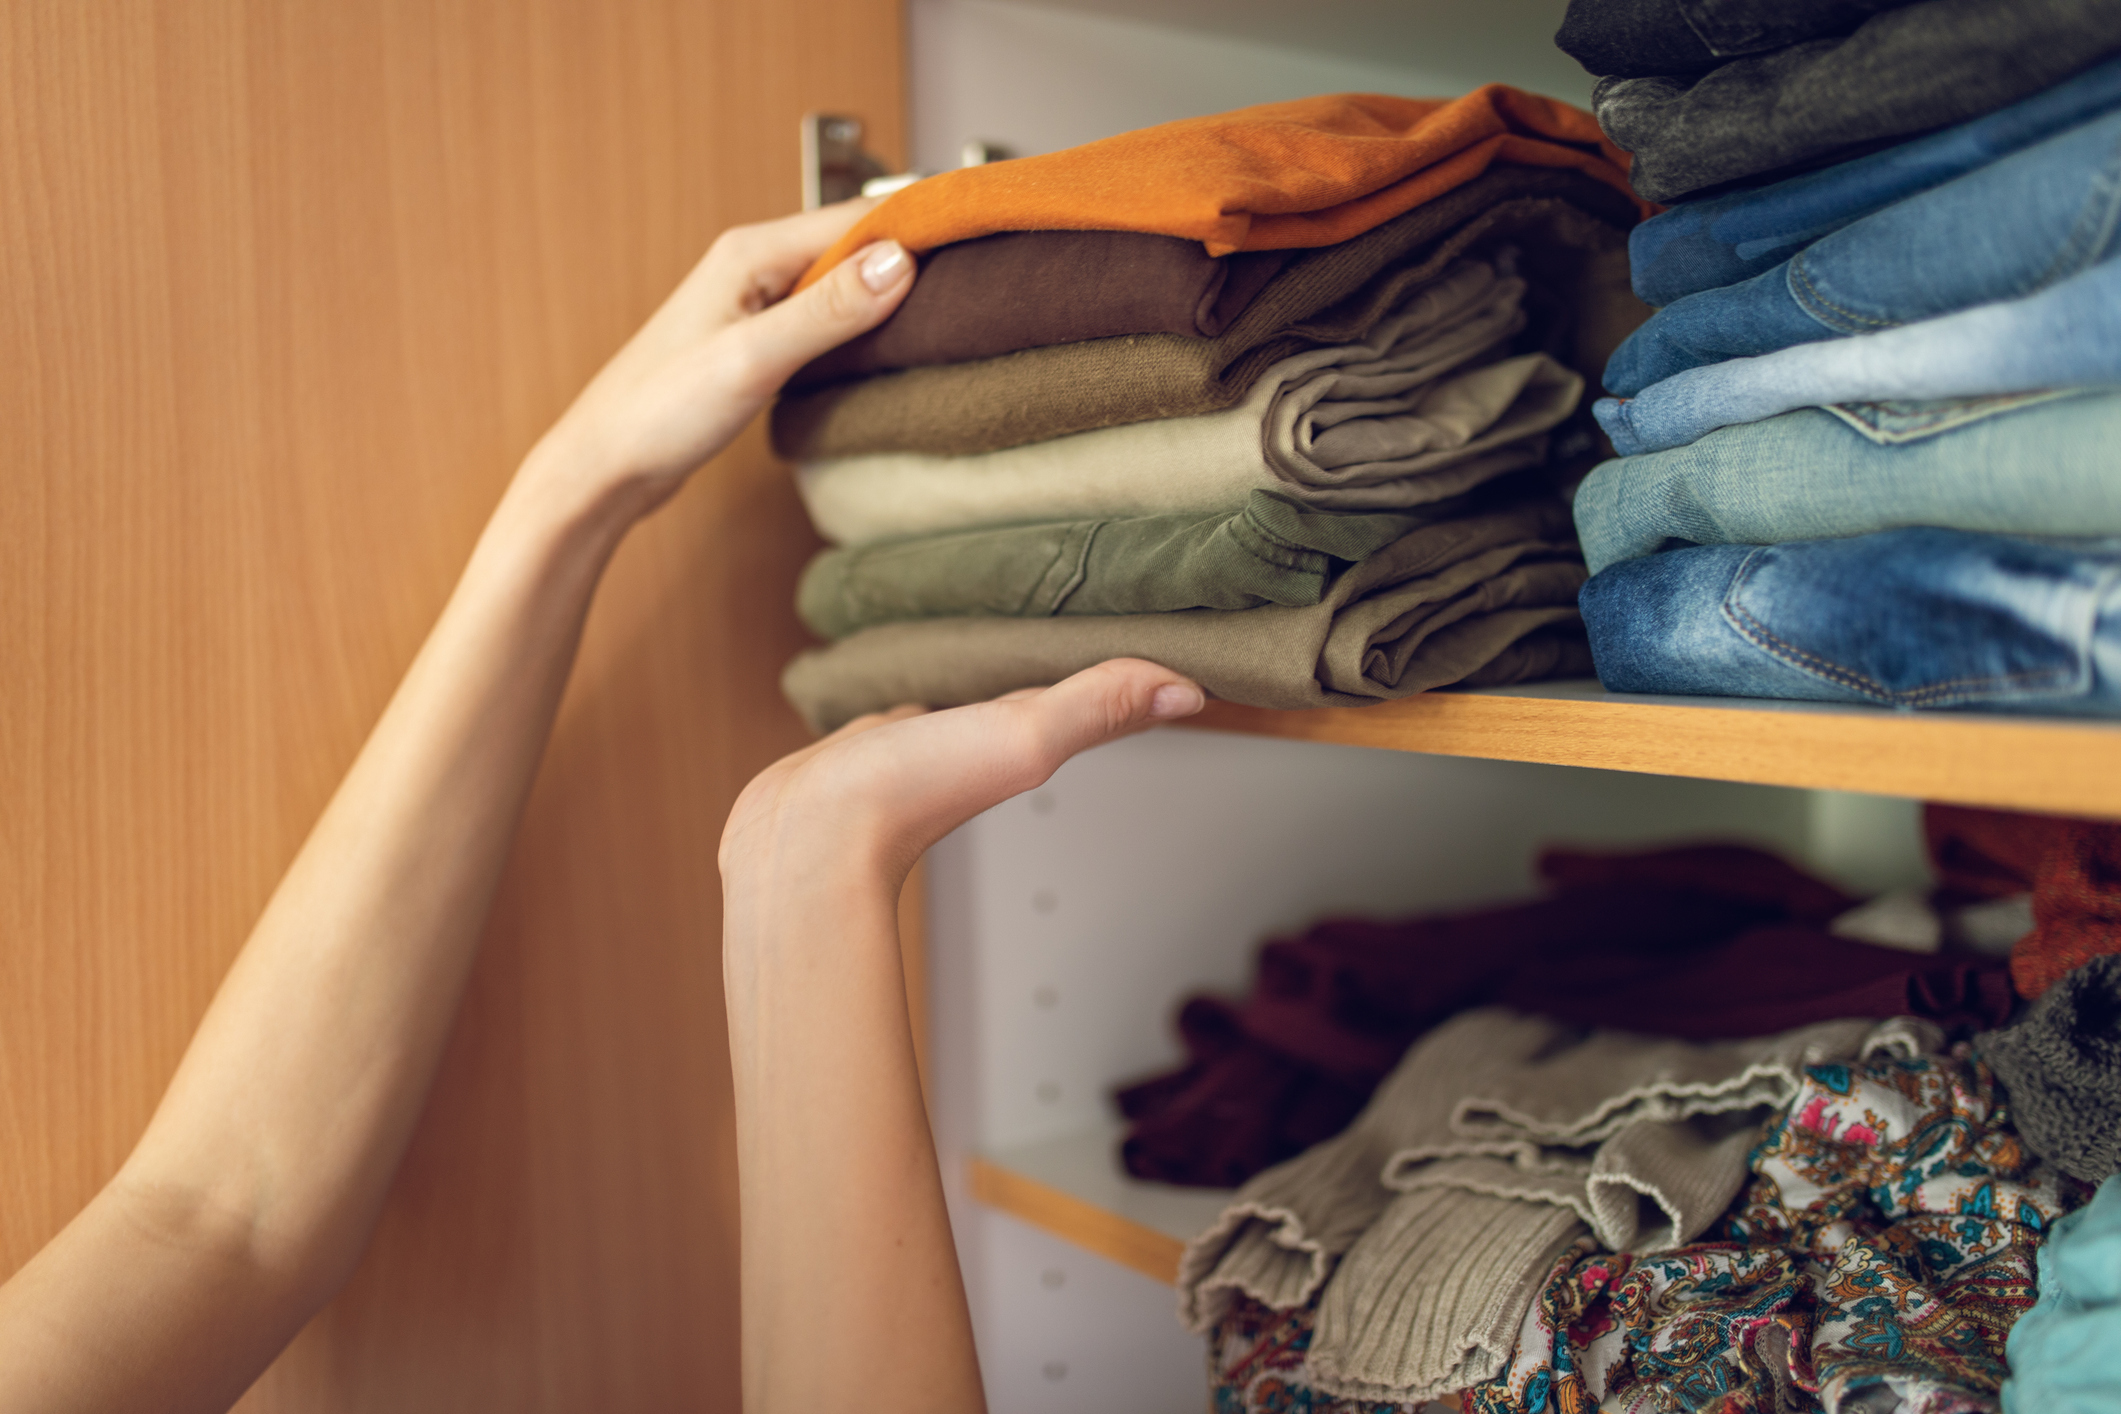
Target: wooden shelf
[[1075, 1189], [2059, 765]]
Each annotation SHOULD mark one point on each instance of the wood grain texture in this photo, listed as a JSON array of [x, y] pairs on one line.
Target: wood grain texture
[[289, 288], [2051, 765]]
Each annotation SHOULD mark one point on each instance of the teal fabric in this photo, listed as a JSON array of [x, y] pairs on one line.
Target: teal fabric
[[1274, 551], [2065, 1353]]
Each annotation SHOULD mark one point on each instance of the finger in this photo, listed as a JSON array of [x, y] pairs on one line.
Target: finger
[[857, 296], [1116, 697], [774, 254]]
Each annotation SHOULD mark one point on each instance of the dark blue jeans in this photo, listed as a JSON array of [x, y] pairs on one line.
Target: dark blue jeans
[[1702, 245], [2004, 231], [1904, 618]]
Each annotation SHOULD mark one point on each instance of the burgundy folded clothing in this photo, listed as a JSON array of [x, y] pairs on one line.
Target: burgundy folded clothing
[[1763, 981], [2072, 868], [1027, 289], [1700, 943]]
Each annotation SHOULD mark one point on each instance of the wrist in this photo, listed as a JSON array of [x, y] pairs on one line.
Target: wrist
[[797, 877]]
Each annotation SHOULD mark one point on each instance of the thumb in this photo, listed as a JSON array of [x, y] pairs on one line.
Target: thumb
[[1114, 699], [859, 294]]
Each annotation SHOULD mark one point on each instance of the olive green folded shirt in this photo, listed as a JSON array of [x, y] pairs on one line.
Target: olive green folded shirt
[[1476, 600], [1273, 551]]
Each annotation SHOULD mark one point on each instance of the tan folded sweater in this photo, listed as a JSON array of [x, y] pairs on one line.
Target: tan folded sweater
[[1421, 409], [1430, 1222]]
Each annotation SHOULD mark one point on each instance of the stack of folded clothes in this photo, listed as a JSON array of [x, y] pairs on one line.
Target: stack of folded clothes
[[1867, 441], [1278, 398], [1693, 1146]]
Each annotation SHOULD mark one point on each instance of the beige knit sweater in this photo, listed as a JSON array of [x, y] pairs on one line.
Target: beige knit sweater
[[1430, 1221]]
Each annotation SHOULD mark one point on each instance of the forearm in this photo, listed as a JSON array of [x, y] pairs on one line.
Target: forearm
[[308, 1072], [251, 1195], [852, 1297]]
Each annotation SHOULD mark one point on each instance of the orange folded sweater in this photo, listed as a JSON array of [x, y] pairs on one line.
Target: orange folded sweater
[[1312, 172]]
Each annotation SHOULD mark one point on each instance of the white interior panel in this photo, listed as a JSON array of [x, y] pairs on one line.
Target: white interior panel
[[1037, 78], [1063, 1332]]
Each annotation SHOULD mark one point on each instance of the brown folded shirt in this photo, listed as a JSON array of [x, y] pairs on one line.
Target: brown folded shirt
[[1485, 600], [1568, 230], [1027, 289]]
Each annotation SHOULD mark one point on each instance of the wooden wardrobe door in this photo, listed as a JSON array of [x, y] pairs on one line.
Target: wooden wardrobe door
[[286, 289]]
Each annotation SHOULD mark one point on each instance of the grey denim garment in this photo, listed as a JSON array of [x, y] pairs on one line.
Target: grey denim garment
[[1641, 38], [1431, 1221], [1479, 600], [1274, 551], [2061, 1063], [1905, 71]]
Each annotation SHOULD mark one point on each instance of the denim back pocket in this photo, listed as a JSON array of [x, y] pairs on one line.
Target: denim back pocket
[[1927, 618], [2017, 226], [1894, 421]]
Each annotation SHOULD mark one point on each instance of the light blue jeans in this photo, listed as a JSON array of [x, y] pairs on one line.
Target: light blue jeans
[[1700, 245], [2063, 337], [2042, 465], [1902, 618], [2004, 231]]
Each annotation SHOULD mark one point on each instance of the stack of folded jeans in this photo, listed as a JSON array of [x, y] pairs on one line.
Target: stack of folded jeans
[[1866, 442], [1276, 398]]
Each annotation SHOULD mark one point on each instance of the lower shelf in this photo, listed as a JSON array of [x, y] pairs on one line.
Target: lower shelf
[[1074, 1188], [2058, 765]]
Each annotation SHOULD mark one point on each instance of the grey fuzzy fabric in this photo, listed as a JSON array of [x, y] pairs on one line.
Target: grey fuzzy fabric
[[1906, 71], [2061, 1063]]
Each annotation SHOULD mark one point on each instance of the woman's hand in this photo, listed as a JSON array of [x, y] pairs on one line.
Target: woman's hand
[[852, 1298], [714, 354], [882, 789]]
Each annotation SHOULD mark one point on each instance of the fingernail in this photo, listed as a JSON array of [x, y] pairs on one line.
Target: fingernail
[[882, 266], [1177, 699]]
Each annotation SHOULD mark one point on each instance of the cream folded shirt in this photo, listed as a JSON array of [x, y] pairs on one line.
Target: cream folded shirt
[[1417, 412]]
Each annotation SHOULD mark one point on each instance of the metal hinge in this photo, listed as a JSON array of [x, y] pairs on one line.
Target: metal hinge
[[835, 166]]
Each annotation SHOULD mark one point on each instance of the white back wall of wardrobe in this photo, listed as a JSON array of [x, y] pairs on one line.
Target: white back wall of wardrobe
[[1036, 78], [1065, 925]]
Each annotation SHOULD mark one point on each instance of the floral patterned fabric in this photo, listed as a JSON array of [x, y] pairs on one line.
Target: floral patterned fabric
[[1256, 1365], [1877, 1260]]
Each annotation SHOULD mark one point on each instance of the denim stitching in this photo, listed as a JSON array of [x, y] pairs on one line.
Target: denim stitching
[[1775, 646], [2091, 233], [1797, 274], [2093, 230]]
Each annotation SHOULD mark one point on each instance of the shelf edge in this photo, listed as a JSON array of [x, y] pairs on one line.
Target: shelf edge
[[1143, 1249], [2054, 766]]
